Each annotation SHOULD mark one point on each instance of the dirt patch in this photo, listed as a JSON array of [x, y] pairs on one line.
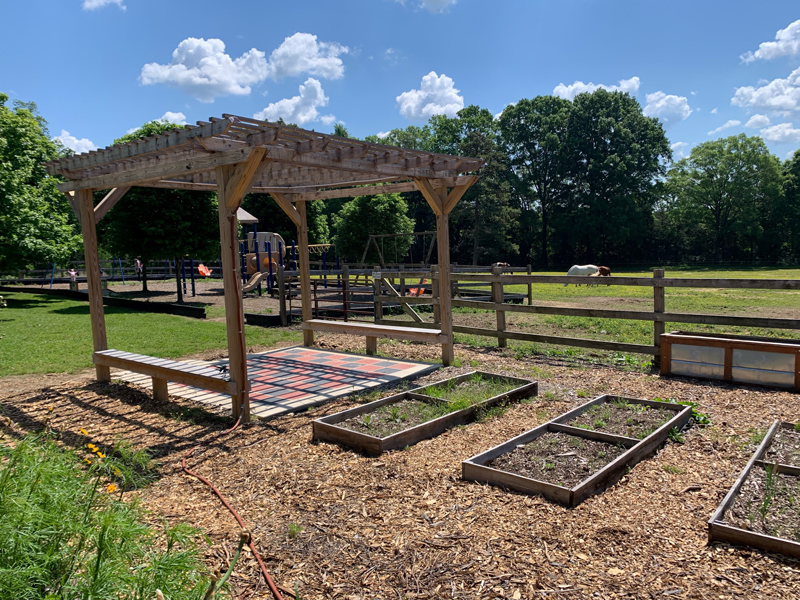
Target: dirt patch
[[785, 448], [623, 418], [406, 525], [391, 419], [558, 458], [768, 503]]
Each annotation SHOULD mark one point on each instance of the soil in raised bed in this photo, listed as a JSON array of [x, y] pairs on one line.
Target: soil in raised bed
[[558, 458], [768, 504], [785, 448], [623, 418], [393, 418], [476, 388]]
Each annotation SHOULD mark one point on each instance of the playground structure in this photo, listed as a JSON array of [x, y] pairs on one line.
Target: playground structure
[[234, 156]]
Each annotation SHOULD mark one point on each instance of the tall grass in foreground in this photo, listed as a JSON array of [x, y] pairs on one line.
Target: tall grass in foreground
[[65, 532]]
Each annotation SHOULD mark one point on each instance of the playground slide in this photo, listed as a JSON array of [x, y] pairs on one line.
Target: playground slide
[[253, 282]]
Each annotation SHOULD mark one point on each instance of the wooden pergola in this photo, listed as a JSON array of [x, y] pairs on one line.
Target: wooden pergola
[[234, 156]]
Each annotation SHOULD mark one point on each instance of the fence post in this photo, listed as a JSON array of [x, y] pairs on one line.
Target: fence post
[[659, 306], [437, 314], [282, 296], [530, 289], [497, 298], [377, 304], [345, 285]]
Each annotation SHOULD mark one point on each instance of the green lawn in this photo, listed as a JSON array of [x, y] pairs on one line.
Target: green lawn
[[49, 334]]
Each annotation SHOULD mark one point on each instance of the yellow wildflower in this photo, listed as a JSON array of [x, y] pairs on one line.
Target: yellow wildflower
[[83, 431], [100, 454], [117, 472], [51, 408], [91, 447], [112, 488], [88, 462]]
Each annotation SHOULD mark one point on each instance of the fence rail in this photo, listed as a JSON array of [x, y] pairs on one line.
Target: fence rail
[[497, 281]]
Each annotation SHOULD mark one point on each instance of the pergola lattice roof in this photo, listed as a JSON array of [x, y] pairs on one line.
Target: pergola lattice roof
[[295, 161]]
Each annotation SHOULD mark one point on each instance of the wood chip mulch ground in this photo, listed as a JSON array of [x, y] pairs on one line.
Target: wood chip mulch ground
[[405, 525]]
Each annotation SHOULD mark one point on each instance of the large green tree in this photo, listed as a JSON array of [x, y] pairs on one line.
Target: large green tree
[[534, 135], [726, 191], [484, 225], [615, 156], [160, 224], [791, 193], [369, 215], [37, 224]]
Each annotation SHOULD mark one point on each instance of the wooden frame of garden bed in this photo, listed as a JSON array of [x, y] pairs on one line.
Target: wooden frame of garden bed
[[476, 469], [769, 362], [719, 531], [327, 429]]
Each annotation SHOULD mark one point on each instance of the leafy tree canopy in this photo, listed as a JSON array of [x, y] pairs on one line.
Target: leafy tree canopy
[[37, 224], [368, 215], [724, 188], [157, 224]]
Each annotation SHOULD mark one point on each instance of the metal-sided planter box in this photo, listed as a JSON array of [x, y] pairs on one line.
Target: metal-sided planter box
[[477, 469], [720, 531], [327, 429], [739, 359]]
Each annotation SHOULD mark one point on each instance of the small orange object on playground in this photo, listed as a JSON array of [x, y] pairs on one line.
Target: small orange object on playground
[[203, 270], [417, 291]]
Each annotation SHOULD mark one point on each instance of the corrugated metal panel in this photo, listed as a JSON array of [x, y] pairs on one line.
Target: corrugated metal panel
[[764, 377], [759, 359], [698, 354], [697, 369]]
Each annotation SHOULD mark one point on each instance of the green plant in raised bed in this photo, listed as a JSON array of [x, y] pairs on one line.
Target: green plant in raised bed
[[366, 420], [396, 415], [769, 493], [698, 417]]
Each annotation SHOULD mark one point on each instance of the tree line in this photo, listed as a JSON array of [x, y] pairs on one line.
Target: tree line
[[588, 180]]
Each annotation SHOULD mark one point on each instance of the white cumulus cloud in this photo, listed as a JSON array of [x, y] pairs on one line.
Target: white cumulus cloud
[[329, 120], [437, 96], [670, 109], [787, 43], [631, 86], [78, 146], [780, 96], [783, 132], [383, 134], [178, 118], [434, 6], [95, 4], [298, 109], [679, 149], [758, 121], [203, 70], [725, 125], [301, 54]]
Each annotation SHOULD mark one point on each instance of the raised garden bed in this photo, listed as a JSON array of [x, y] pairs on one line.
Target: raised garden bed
[[566, 463], [761, 509], [406, 418], [740, 359]]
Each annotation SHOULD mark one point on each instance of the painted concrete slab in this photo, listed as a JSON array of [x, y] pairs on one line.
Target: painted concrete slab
[[294, 379]]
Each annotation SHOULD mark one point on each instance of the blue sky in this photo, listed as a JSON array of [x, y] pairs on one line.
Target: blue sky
[[98, 68]]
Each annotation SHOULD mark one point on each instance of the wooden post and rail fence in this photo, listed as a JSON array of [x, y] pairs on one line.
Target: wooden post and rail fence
[[497, 282]]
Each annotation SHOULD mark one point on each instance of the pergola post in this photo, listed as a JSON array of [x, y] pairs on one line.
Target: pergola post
[[445, 299], [93, 279], [305, 271], [231, 280]]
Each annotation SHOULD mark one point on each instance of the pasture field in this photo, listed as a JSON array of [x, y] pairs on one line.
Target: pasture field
[[48, 334]]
